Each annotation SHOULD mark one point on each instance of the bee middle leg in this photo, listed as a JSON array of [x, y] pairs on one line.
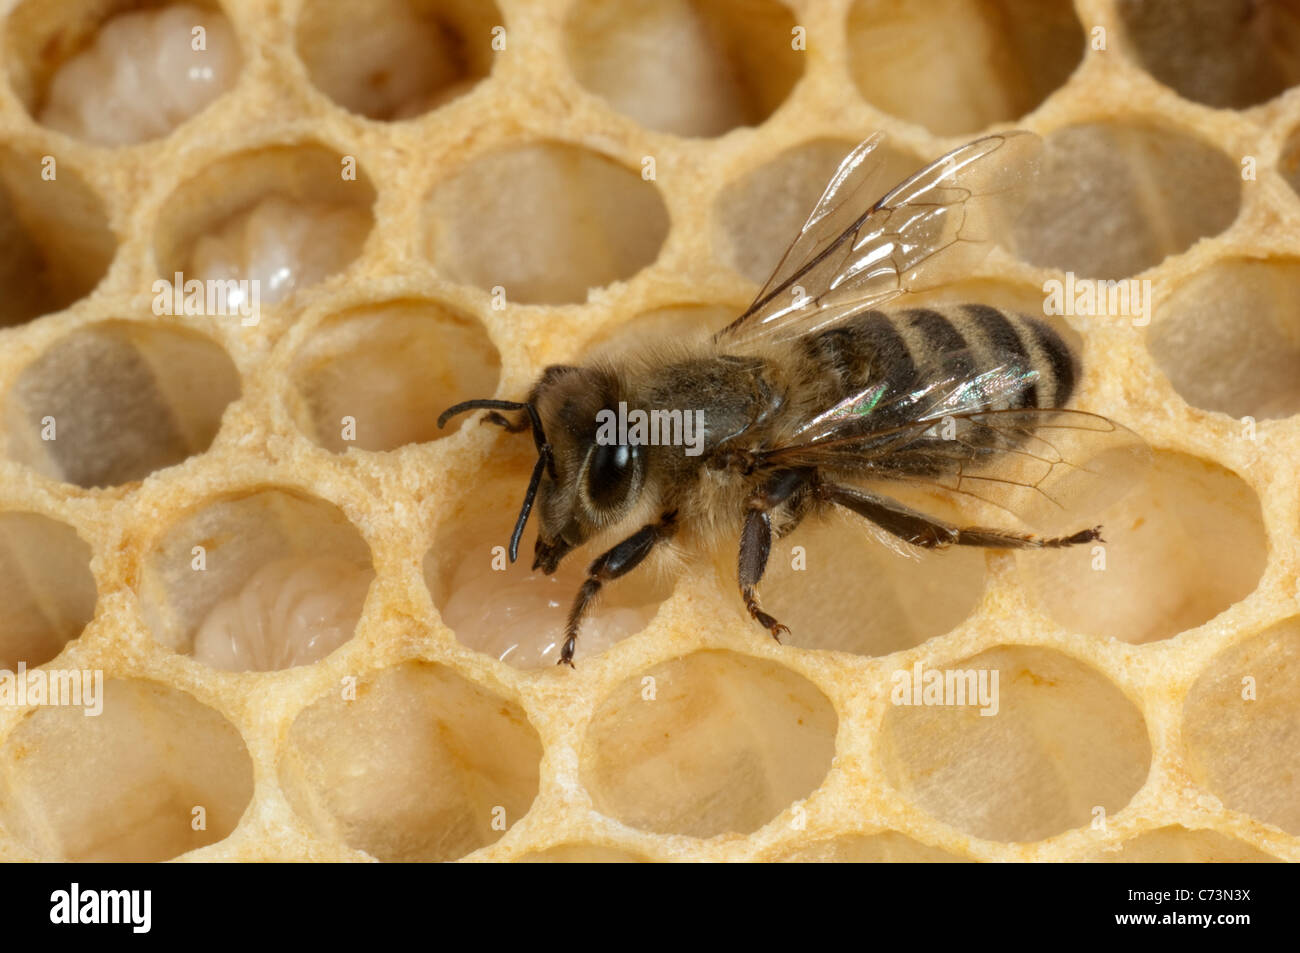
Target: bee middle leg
[[616, 561], [930, 533], [756, 540]]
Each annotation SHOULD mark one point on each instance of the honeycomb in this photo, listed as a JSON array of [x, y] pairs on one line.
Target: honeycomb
[[443, 196]]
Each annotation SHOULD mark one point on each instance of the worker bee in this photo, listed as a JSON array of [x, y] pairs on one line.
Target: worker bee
[[815, 398]]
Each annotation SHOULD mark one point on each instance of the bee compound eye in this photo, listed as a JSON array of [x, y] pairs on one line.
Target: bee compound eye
[[610, 473]]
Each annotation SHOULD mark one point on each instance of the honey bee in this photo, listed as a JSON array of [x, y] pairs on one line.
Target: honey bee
[[814, 395]]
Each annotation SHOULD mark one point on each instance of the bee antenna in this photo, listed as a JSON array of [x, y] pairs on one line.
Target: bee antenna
[[480, 404], [545, 458]]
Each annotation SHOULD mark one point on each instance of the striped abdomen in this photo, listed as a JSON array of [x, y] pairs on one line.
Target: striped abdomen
[[922, 346], [939, 353]]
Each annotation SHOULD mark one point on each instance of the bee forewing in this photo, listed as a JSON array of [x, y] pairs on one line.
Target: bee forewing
[[948, 384], [928, 231]]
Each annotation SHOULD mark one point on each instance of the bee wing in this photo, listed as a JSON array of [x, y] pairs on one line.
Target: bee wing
[[931, 229], [1045, 468]]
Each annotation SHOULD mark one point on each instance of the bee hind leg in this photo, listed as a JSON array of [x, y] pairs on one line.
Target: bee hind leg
[[616, 561], [756, 541], [931, 533]]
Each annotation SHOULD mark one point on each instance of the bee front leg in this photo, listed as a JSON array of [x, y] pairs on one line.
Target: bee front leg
[[616, 561], [756, 540]]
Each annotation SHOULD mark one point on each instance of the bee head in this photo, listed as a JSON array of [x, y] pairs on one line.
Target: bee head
[[580, 482], [595, 480]]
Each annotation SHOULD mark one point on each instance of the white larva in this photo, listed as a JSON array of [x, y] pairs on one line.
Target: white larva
[[518, 616], [282, 245], [293, 611], [141, 76]]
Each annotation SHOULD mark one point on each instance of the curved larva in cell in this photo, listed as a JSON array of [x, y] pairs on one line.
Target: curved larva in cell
[[283, 245], [291, 612], [141, 76], [519, 618], [391, 63]]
